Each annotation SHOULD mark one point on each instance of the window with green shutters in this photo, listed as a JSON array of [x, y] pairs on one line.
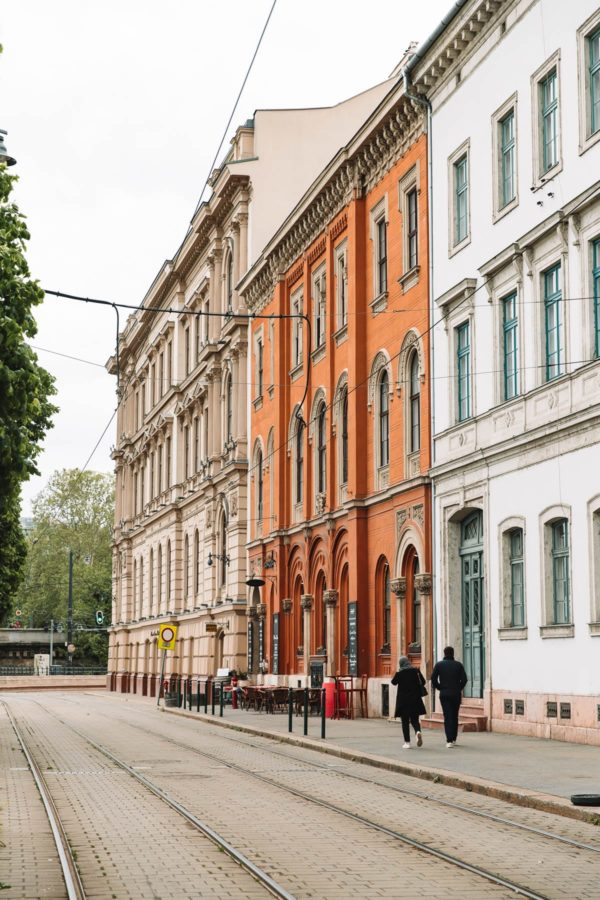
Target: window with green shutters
[[596, 293], [461, 199], [593, 42], [553, 319], [463, 371], [507, 159], [560, 572], [510, 329], [517, 581], [548, 88]]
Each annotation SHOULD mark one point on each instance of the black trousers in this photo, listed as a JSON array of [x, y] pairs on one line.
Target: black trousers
[[413, 719], [451, 706]]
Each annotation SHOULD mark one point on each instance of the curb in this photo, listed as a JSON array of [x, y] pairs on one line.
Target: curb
[[517, 796]]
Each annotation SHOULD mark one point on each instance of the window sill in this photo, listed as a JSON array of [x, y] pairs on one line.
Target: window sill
[[258, 402], [340, 335], [543, 178], [456, 248], [379, 304], [590, 140], [557, 631], [594, 628], [504, 210], [513, 633], [409, 279], [318, 354], [271, 391], [296, 372]]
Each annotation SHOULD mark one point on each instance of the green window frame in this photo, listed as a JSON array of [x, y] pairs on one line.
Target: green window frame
[[463, 370], [553, 322], [507, 159], [381, 226], [549, 120], [596, 293], [561, 590], [510, 330], [517, 580], [593, 42], [461, 199]]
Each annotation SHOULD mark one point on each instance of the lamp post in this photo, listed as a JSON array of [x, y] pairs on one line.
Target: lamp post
[[5, 156], [70, 610]]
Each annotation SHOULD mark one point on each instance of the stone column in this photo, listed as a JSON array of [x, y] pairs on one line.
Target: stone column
[[423, 584], [306, 601], [330, 599], [243, 251], [398, 586]]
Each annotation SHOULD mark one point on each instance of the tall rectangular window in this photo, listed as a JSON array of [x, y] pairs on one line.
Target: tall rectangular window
[[187, 352], [381, 231], [560, 572], [461, 199], [319, 303], [341, 289], [161, 374], [596, 292], [517, 583], [553, 322], [387, 610], [160, 468], [169, 363], [548, 89], [510, 329], [593, 42], [507, 159], [412, 226], [168, 462], [259, 368], [463, 370]]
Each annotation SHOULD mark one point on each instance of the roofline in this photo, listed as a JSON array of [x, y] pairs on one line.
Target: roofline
[[435, 34]]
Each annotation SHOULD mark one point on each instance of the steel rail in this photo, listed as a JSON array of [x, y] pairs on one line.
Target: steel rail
[[73, 884], [375, 826], [262, 877]]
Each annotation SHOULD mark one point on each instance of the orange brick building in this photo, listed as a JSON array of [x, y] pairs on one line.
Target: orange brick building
[[339, 418]]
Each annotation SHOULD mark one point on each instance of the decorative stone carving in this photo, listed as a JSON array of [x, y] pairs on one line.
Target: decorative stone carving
[[261, 610], [330, 598], [320, 503], [330, 525], [418, 514], [398, 587], [286, 604], [233, 505], [307, 532], [401, 517], [306, 601], [252, 612], [424, 583]]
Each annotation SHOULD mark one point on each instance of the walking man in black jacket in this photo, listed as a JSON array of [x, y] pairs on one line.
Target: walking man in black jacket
[[449, 678]]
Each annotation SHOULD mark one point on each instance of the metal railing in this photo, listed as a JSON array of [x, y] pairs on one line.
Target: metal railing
[[54, 670]]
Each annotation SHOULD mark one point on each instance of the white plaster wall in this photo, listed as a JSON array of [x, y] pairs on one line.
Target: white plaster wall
[[504, 65]]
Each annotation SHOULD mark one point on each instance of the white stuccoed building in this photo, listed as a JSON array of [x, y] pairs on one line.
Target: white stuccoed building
[[514, 87]]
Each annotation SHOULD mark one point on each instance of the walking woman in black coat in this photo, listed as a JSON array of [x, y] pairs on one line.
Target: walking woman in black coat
[[409, 702]]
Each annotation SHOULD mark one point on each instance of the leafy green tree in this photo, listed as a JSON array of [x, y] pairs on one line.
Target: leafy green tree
[[25, 387], [74, 512]]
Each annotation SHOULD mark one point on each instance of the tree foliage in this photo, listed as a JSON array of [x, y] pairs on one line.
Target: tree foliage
[[74, 512], [25, 387]]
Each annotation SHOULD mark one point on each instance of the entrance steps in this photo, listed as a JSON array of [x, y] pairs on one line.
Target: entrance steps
[[470, 718]]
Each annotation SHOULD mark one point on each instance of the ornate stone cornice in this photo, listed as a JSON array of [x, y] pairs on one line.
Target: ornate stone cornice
[[306, 601], [330, 598], [424, 583]]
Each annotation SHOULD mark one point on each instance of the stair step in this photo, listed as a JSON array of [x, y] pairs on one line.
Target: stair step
[[466, 721]]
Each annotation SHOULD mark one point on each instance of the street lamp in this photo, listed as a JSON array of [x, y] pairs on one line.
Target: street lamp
[[5, 157]]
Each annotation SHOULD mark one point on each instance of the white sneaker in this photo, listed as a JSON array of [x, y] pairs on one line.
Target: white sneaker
[[419, 739], [449, 745], [406, 746]]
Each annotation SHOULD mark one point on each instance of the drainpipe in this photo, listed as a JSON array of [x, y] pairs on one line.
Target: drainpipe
[[423, 101]]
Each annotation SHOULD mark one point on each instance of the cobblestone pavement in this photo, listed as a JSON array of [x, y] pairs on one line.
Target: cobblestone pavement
[[312, 851]]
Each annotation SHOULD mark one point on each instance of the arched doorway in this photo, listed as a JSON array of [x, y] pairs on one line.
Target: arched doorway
[[472, 602]]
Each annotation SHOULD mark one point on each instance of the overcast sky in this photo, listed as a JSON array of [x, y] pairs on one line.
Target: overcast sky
[[114, 112]]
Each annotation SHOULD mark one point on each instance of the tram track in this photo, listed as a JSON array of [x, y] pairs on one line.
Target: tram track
[[73, 883], [449, 858]]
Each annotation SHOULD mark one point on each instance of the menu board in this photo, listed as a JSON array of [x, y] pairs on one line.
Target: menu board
[[352, 640], [250, 645], [261, 639], [275, 666]]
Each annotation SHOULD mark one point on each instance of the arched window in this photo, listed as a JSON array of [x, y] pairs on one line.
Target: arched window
[[141, 603], [384, 419], [344, 437], [168, 573], [320, 619], [416, 605], [321, 449], [223, 540], [299, 462], [386, 607], [415, 404], [151, 583], [133, 589], [229, 283], [229, 410], [259, 486], [186, 567], [159, 581], [196, 562]]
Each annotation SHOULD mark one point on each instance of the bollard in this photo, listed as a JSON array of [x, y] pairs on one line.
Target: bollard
[[212, 698], [221, 700], [305, 711], [178, 693], [290, 709], [190, 694], [198, 696], [206, 698], [323, 713]]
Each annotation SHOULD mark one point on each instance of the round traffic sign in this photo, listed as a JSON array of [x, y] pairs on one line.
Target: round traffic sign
[[167, 634]]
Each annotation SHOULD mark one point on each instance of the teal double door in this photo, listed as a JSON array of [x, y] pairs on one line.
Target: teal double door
[[473, 610]]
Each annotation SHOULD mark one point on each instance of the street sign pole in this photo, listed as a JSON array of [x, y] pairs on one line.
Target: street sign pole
[[51, 642], [70, 609], [162, 675]]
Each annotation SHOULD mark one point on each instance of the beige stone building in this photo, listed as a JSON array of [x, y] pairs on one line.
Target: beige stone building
[[181, 454]]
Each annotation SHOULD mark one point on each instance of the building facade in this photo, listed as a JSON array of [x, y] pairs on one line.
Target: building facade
[[339, 505], [516, 374]]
